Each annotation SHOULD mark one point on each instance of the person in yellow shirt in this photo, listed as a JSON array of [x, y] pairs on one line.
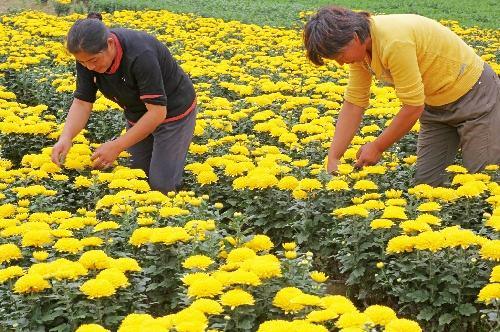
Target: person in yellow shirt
[[438, 78]]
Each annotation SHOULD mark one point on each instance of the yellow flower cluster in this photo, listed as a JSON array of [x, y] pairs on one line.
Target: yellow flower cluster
[[491, 292], [449, 237], [331, 308], [63, 2]]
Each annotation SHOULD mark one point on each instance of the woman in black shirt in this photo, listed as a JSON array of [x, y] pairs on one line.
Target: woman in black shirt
[[138, 72]]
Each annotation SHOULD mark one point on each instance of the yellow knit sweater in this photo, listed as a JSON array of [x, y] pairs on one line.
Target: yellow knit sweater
[[424, 61]]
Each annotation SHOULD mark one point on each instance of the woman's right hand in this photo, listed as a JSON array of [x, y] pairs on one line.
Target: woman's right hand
[[60, 150]]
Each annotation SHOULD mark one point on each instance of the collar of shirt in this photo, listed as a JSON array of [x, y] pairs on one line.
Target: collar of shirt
[[118, 58]]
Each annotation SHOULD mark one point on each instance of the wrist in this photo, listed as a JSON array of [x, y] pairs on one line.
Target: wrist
[[120, 144], [332, 154], [334, 159], [65, 137], [379, 145]]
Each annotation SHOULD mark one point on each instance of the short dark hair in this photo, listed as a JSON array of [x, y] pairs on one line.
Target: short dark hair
[[89, 35], [332, 28]]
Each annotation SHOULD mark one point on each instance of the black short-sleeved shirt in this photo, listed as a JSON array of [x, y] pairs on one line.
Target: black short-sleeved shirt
[[144, 71]]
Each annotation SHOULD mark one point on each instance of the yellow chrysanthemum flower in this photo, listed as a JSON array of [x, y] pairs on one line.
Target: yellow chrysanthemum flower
[[260, 243], [9, 252], [283, 298], [205, 287], [456, 169], [125, 264], [337, 185], [97, 288], [10, 272], [317, 316], [429, 207], [353, 319], [381, 223], [398, 244], [70, 245], [318, 276], [491, 250], [495, 274], [354, 210], [411, 226], [92, 241], [380, 315], [239, 255], [106, 225], [197, 262], [91, 328], [95, 259], [37, 238], [402, 325], [207, 306], [288, 183], [236, 297], [365, 185], [394, 212], [31, 283], [310, 184], [429, 240], [114, 276], [289, 245]]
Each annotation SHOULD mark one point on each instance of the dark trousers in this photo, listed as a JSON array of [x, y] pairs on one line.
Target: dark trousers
[[162, 155], [471, 123]]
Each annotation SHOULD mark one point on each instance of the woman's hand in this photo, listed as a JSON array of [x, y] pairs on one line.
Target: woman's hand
[[347, 124], [60, 150], [78, 115], [104, 156], [332, 166], [369, 154]]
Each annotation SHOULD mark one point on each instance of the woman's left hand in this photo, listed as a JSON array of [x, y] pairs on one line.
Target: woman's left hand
[[369, 154], [104, 156]]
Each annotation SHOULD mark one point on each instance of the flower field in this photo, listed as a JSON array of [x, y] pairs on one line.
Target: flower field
[[261, 233]]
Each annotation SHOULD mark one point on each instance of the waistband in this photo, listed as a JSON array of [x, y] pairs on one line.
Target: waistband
[[486, 69]]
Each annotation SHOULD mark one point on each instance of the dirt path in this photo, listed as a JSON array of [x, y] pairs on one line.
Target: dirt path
[[6, 5]]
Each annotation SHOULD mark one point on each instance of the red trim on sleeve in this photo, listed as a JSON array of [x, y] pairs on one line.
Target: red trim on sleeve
[[118, 58], [175, 118], [149, 96]]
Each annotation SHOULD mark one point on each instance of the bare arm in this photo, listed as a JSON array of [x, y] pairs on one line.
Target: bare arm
[[77, 118], [401, 124], [107, 153], [145, 126], [347, 125], [370, 153]]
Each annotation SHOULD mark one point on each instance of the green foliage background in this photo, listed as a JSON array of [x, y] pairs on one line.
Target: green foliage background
[[284, 13]]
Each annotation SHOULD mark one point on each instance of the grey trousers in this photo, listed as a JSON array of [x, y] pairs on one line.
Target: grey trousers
[[162, 155], [472, 123]]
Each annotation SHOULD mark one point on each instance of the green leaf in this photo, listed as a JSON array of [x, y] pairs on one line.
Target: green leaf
[[301, 237], [446, 319], [426, 313], [355, 275], [466, 309], [51, 315], [419, 295], [247, 323], [449, 279], [60, 328]]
